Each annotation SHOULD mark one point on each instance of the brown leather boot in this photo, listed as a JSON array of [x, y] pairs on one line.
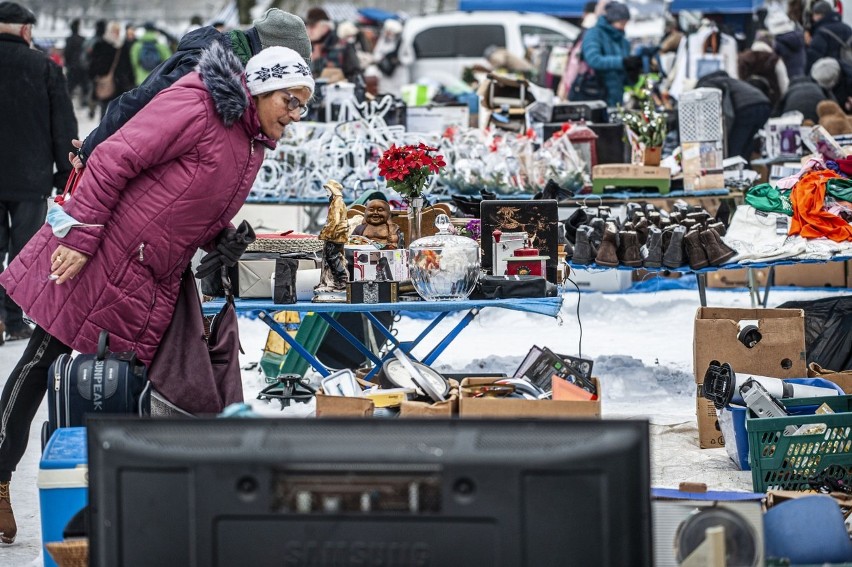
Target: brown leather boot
[[608, 251], [695, 251], [641, 228], [717, 251], [719, 227], [8, 527], [628, 251]]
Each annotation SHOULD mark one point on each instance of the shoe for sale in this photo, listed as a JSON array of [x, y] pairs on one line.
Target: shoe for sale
[[632, 209], [695, 251], [8, 527], [719, 227], [19, 333], [652, 252], [717, 251], [701, 217], [673, 249], [598, 226], [689, 224], [641, 227], [675, 217], [584, 250], [577, 218], [655, 218], [628, 250], [569, 251], [608, 252]]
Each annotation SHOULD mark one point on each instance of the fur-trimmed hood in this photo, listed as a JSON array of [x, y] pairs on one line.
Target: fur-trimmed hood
[[222, 74]]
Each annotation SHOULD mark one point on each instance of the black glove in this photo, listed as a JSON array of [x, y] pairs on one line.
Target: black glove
[[231, 244], [633, 67]]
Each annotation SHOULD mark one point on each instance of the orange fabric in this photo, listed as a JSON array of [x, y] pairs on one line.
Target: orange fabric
[[810, 219]]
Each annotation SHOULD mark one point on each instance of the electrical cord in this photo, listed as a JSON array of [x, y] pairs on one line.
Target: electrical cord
[[579, 323]]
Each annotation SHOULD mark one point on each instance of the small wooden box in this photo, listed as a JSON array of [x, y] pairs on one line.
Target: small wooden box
[[372, 292]]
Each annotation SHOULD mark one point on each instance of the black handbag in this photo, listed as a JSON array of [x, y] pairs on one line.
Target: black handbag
[[587, 86], [512, 287]]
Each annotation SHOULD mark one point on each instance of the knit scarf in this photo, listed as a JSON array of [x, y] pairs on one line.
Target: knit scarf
[[240, 45]]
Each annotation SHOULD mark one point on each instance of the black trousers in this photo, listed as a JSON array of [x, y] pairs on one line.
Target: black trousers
[[749, 120], [22, 396], [19, 221]]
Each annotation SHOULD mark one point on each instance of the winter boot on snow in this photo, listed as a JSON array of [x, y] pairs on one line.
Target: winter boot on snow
[[8, 527]]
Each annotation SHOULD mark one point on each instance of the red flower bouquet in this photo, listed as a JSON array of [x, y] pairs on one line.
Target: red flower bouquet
[[407, 168]]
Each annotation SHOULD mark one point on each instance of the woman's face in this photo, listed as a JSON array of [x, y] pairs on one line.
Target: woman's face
[[273, 110]]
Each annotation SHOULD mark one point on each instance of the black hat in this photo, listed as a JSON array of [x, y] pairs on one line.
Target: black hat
[[14, 13], [822, 8]]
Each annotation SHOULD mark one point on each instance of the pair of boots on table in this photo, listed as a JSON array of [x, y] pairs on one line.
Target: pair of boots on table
[[651, 238]]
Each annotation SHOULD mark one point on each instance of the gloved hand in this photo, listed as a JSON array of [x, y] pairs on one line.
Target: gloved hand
[[231, 243], [633, 67]]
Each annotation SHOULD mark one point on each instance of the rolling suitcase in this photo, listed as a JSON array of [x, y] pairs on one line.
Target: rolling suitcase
[[105, 382]]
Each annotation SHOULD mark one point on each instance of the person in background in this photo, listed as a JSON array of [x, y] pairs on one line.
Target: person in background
[[590, 17], [36, 120], [195, 22], [147, 53], [322, 36], [344, 53], [386, 57], [88, 46], [125, 78], [198, 166], [836, 79], [104, 59], [828, 35], [607, 51], [803, 95], [274, 28], [75, 65], [746, 110], [788, 42], [219, 26], [764, 68]]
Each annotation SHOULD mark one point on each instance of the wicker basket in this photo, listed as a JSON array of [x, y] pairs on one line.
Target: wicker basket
[[284, 245], [70, 553]]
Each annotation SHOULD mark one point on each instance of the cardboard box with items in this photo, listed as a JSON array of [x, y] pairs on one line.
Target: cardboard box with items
[[765, 342]]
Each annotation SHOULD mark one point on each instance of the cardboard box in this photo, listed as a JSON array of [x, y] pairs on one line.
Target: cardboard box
[[829, 274], [702, 166], [779, 354], [342, 406], [445, 409], [842, 378], [471, 407]]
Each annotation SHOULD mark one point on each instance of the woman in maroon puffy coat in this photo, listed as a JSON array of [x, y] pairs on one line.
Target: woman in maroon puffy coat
[[168, 182]]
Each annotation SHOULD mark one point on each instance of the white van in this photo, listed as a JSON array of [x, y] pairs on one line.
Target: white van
[[441, 46]]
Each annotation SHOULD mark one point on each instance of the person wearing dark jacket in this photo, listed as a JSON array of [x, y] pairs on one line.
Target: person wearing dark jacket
[[37, 124], [789, 42], [829, 33], [744, 105], [103, 60], [274, 28], [803, 95], [75, 66]]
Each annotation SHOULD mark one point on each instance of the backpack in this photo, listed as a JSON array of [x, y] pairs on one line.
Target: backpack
[[149, 55], [845, 46]]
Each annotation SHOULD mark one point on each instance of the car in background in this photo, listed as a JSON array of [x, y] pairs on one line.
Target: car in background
[[441, 46]]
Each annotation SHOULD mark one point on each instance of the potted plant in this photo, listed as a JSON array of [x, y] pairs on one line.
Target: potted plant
[[407, 169], [646, 130]]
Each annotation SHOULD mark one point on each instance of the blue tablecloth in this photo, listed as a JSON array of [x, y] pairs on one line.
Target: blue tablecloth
[[544, 306]]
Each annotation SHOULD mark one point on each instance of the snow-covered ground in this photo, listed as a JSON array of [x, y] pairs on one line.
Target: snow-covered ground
[[641, 343]]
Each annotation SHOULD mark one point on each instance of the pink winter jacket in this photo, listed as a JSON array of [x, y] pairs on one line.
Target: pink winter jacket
[[163, 185]]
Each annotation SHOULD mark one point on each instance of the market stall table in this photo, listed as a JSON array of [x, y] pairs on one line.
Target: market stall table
[[701, 275], [264, 308]]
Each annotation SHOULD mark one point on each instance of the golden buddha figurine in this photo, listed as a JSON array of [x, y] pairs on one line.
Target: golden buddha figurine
[[378, 227]]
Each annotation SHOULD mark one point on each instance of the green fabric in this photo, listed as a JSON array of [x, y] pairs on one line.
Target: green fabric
[[839, 189], [765, 197], [140, 73], [240, 46]]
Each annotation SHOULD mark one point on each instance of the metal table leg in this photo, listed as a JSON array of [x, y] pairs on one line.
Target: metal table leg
[[465, 321], [350, 337], [294, 344], [701, 277], [770, 281]]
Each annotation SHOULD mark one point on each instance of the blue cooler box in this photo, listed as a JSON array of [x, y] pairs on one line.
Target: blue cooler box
[[63, 483]]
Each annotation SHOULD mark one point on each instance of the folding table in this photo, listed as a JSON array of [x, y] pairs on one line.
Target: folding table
[[264, 309]]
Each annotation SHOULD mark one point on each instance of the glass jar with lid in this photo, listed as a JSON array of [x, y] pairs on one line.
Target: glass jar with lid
[[444, 267]]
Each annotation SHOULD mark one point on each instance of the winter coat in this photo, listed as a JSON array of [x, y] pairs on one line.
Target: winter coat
[[803, 95], [737, 95], [822, 44], [127, 105], [161, 189], [150, 36], [37, 122], [604, 50], [73, 51], [101, 58], [791, 47], [760, 61]]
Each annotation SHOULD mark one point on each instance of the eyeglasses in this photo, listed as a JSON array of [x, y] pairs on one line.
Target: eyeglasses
[[293, 103]]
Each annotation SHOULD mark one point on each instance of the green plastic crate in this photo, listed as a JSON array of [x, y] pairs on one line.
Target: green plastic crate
[[786, 462]]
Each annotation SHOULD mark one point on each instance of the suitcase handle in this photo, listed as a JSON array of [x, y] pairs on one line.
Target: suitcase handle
[[103, 345]]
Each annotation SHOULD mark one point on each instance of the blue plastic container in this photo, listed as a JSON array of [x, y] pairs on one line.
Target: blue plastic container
[[738, 450], [63, 483]]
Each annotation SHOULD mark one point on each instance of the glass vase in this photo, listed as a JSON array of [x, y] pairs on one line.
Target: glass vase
[[415, 218]]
